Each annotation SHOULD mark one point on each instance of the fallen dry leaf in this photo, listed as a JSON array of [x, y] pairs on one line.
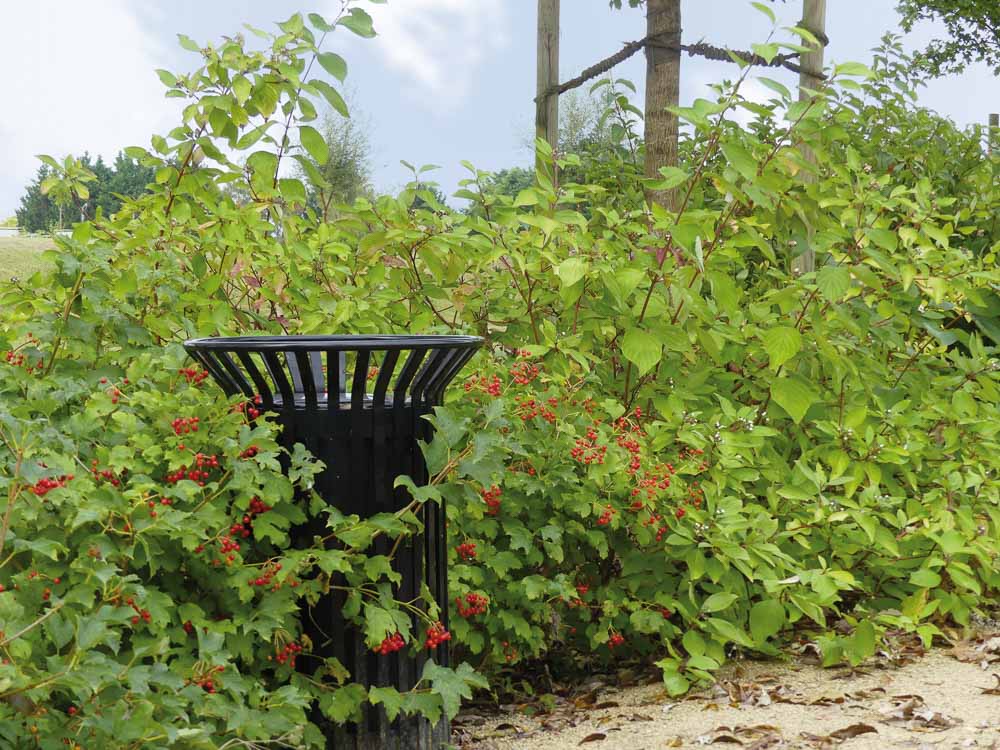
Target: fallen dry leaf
[[595, 737], [995, 690], [853, 731], [913, 713]]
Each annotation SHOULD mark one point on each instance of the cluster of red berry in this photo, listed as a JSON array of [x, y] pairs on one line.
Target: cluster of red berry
[[524, 372], [390, 645], [188, 627], [509, 652], [199, 473], [652, 482], [529, 408], [522, 466], [250, 452], [266, 579], [16, 359], [662, 530], [141, 615], [105, 475], [43, 487], [193, 375], [615, 640], [250, 409], [288, 653], [472, 605], [165, 501], [436, 635], [696, 496], [466, 550], [185, 425], [207, 683], [491, 386], [587, 450], [492, 499], [606, 516]]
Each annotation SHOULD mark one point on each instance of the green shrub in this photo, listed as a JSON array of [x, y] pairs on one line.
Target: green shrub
[[673, 447]]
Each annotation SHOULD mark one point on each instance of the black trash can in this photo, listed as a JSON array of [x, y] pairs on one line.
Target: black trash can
[[357, 403]]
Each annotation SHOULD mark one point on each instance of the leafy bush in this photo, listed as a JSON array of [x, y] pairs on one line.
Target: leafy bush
[[674, 448]]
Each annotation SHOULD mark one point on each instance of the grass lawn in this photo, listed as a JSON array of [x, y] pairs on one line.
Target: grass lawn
[[21, 256]]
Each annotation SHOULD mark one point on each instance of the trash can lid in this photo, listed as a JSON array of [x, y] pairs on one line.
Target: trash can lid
[[310, 372], [342, 342]]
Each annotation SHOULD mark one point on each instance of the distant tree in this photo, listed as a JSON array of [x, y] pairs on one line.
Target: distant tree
[[347, 173], [973, 33], [510, 181]]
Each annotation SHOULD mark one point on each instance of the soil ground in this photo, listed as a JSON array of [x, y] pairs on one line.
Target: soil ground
[[941, 699]]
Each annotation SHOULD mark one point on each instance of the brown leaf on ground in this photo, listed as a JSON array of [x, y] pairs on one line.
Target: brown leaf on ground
[[595, 737], [995, 690], [757, 737], [913, 713], [838, 736], [983, 650]]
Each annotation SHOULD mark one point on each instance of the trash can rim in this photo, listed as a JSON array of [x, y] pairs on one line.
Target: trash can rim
[[341, 342]]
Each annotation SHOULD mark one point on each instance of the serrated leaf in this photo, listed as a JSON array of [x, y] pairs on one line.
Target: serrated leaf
[[833, 282], [781, 344]]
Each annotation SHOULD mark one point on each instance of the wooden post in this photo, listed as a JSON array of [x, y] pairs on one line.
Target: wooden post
[[663, 86], [993, 134], [547, 106], [813, 21]]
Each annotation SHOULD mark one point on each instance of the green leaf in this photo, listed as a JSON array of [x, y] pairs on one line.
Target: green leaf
[[343, 704], [833, 282], [781, 344], [765, 10], [452, 684], [314, 143], [883, 238], [861, 644], [572, 270], [795, 395], [718, 601], [642, 349], [332, 96], [333, 64], [925, 578], [188, 43], [741, 160], [767, 617], [168, 78], [359, 22], [853, 69]]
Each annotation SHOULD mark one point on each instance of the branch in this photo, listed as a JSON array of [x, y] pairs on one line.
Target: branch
[[701, 49]]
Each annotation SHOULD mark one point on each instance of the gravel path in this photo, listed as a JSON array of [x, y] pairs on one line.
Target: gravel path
[[944, 699]]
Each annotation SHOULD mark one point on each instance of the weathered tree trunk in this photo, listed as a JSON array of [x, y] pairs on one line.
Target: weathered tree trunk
[[813, 21], [663, 84], [547, 107]]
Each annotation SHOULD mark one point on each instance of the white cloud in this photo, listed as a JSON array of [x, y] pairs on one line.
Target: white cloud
[[74, 77], [440, 44]]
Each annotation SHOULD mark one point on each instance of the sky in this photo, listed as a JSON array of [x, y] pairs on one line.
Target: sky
[[445, 80]]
